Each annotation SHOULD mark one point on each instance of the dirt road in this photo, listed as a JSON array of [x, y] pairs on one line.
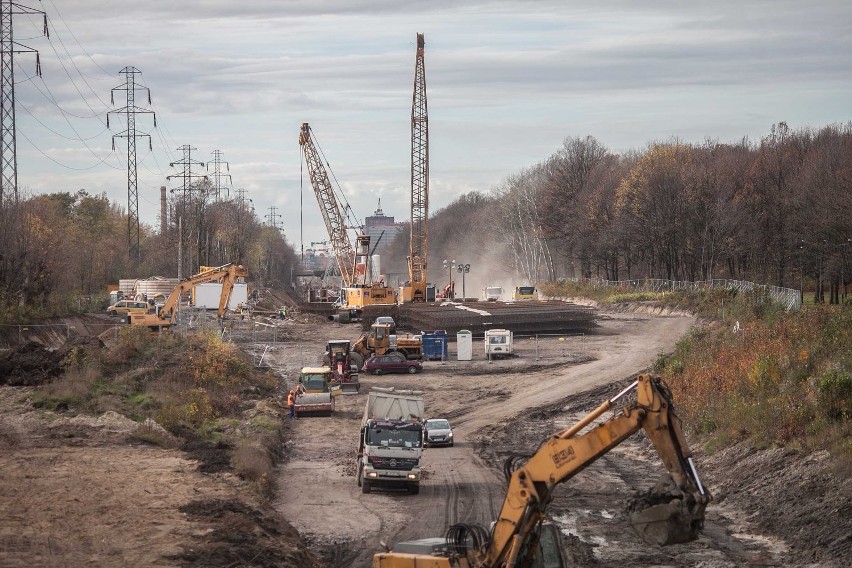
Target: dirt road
[[483, 400]]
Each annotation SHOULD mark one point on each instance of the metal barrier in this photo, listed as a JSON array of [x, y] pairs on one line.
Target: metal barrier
[[790, 298]]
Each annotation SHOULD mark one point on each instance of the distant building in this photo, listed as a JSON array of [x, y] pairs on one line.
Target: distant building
[[377, 224]]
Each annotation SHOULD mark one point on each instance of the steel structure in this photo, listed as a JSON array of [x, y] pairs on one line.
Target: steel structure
[[8, 48], [187, 176], [129, 111], [218, 175], [418, 247], [273, 216], [341, 244]]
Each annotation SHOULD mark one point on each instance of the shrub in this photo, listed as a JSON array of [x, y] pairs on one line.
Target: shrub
[[835, 395], [71, 390]]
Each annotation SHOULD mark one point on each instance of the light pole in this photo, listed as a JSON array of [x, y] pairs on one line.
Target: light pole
[[449, 265], [464, 269]]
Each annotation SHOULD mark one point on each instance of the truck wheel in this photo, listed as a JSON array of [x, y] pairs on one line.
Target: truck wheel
[[113, 313], [358, 477], [412, 369], [366, 486], [414, 489]]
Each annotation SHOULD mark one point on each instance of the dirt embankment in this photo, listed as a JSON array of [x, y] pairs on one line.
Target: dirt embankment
[[92, 490], [84, 490]]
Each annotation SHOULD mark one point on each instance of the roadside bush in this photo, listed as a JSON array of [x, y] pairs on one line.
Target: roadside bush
[[835, 395], [778, 378]]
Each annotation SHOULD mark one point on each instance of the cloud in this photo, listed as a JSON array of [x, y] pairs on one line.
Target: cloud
[[507, 81]]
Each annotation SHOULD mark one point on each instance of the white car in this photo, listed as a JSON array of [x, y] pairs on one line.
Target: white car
[[438, 432]]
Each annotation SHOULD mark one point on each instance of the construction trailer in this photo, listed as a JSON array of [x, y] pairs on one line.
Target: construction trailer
[[499, 343]]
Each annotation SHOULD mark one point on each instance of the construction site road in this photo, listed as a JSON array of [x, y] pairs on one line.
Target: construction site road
[[484, 401]]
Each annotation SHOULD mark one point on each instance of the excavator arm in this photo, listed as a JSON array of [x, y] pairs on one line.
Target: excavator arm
[[667, 514], [165, 315], [568, 452]]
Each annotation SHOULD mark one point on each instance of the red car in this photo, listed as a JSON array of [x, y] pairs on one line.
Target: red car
[[394, 362]]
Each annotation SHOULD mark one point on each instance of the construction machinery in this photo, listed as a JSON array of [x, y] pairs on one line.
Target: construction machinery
[[379, 340], [164, 316], [391, 440], [344, 364], [315, 394], [359, 288], [415, 288], [521, 293], [670, 513]]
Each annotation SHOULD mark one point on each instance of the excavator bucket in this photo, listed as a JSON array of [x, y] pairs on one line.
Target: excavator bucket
[[350, 388], [664, 515]]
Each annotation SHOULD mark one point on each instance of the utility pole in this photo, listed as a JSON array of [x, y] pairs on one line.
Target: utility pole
[[130, 110], [218, 175], [241, 195], [272, 217], [8, 48], [187, 176]]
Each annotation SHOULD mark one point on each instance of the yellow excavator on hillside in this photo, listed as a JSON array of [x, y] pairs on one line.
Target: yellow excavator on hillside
[[164, 316], [670, 513]]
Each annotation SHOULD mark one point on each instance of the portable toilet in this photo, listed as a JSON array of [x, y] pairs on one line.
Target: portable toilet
[[464, 345], [498, 343], [434, 345]]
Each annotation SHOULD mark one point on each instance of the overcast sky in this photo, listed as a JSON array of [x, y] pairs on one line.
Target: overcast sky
[[507, 82]]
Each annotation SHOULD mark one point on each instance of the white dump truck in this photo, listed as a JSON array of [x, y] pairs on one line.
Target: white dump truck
[[492, 293], [391, 440]]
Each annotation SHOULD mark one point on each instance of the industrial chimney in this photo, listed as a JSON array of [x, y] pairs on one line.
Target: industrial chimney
[[163, 211]]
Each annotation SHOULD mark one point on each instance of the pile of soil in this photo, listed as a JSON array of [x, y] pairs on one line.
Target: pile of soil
[[240, 535], [29, 364], [32, 364]]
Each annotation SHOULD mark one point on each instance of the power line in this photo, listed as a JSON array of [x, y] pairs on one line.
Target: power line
[[8, 48], [218, 175], [273, 217], [130, 110]]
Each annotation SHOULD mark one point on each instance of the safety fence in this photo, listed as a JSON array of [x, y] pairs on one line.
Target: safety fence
[[550, 346], [790, 298]]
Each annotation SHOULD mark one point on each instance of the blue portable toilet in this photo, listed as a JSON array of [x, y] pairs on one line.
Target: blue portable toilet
[[434, 345]]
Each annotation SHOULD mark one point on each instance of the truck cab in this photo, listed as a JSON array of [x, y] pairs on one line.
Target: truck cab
[[521, 293], [390, 443], [390, 451], [492, 293]]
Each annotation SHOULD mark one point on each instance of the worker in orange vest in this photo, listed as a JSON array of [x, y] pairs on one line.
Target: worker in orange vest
[[291, 403]]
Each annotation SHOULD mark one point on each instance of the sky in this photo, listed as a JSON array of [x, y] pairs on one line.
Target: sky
[[507, 82]]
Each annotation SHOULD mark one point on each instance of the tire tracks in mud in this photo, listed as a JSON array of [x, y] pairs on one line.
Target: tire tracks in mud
[[460, 486]]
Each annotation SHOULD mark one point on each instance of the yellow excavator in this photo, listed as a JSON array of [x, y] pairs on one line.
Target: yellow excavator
[[669, 513], [164, 315]]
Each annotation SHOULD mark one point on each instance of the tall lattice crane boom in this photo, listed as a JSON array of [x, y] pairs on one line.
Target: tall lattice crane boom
[[344, 252], [418, 248]]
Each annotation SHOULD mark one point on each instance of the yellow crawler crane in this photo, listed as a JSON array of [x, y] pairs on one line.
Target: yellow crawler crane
[[670, 513]]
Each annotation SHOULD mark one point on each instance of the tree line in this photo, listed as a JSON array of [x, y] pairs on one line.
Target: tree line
[[60, 247], [777, 211]]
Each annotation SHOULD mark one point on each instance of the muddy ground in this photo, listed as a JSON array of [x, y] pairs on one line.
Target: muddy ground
[[83, 491], [772, 508]]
